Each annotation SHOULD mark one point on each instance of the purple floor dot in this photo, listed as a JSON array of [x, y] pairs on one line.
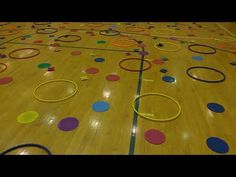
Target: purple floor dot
[[143, 53], [68, 124]]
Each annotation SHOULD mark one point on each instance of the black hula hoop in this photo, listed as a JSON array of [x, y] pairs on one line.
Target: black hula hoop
[[4, 23], [106, 32], [10, 54], [135, 70], [202, 80], [190, 48], [26, 145], [58, 39], [40, 30]]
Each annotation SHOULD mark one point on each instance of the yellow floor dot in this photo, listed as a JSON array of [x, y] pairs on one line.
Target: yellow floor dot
[[27, 117]]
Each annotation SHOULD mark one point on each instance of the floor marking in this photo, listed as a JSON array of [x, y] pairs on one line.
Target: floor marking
[[77, 47], [135, 117]]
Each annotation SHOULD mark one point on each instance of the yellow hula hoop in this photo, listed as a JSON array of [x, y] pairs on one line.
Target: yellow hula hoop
[[144, 115], [58, 100], [168, 50], [226, 39]]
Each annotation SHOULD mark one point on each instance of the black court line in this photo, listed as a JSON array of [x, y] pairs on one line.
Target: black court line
[[9, 41], [76, 47], [135, 116]]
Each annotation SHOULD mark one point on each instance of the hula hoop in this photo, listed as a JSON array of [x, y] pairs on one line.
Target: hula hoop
[[40, 30], [106, 33], [157, 120], [9, 33], [129, 28], [27, 145], [5, 67], [202, 80], [190, 48], [168, 50], [58, 39], [135, 70], [224, 39], [58, 100], [41, 23], [4, 23], [10, 54]]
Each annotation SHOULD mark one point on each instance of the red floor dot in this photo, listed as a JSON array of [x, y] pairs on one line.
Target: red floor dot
[[92, 70], [112, 77], [154, 136], [158, 62], [74, 30], [5, 80], [76, 53], [37, 41]]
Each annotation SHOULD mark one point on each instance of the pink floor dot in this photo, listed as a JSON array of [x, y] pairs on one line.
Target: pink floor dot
[[154, 136], [112, 77], [5, 80], [158, 62], [37, 41], [92, 71], [76, 53]]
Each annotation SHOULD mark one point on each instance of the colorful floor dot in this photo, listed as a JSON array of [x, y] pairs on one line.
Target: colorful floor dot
[[76, 53], [158, 62], [27, 36], [27, 117], [164, 58], [100, 106], [51, 69], [217, 145], [233, 63], [68, 124], [44, 65], [101, 42], [163, 70], [92, 71], [215, 107], [99, 59], [3, 56], [154, 136], [112, 77], [5, 80], [168, 79], [197, 57], [143, 53]]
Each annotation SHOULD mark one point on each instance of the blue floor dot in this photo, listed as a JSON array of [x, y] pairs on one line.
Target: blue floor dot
[[168, 79], [197, 57], [100, 106], [217, 145], [215, 107], [163, 70], [99, 59]]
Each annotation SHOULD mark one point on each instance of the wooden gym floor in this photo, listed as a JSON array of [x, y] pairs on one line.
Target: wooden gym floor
[[102, 119]]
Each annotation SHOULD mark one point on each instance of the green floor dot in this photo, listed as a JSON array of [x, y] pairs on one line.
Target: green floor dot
[[27, 117], [101, 42], [44, 65]]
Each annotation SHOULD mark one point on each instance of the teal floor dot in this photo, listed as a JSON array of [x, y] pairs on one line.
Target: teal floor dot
[[44, 65]]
